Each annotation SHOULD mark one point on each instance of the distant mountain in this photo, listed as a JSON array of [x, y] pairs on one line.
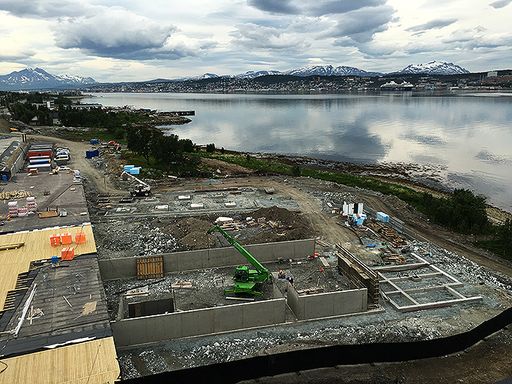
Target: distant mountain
[[33, 79], [433, 68], [329, 70], [200, 77], [254, 74]]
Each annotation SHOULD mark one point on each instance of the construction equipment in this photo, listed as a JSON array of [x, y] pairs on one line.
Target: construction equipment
[[114, 145], [247, 281], [141, 189]]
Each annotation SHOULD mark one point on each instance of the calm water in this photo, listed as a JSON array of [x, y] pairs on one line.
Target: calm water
[[470, 137]]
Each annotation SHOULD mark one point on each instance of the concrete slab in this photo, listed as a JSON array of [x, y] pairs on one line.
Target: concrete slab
[[56, 191]]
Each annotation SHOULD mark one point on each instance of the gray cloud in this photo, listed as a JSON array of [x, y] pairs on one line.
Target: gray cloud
[[45, 8], [317, 8], [500, 3], [362, 24], [260, 37], [326, 7], [273, 6], [119, 34], [16, 57], [477, 38], [433, 24]]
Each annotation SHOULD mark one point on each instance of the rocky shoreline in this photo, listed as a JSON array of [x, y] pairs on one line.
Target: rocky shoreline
[[420, 177]]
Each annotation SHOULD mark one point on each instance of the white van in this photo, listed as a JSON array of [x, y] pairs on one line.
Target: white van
[[61, 159]]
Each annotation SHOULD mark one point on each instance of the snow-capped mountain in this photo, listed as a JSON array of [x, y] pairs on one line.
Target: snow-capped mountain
[[200, 77], [254, 74], [329, 70], [206, 76], [37, 78], [433, 68]]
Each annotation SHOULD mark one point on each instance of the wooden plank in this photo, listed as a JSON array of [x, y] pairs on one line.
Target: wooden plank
[[92, 362], [324, 262], [37, 246], [6, 247], [150, 267], [48, 214]]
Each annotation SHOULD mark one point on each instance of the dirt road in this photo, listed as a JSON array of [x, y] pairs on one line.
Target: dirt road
[[325, 224], [78, 161]]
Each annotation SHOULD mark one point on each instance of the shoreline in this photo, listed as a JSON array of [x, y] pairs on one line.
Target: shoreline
[[422, 178]]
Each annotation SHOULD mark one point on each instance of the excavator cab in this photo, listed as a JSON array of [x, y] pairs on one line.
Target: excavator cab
[[241, 273], [140, 190]]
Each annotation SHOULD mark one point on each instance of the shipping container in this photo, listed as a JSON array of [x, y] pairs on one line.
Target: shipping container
[[39, 161], [40, 167], [41, 152]]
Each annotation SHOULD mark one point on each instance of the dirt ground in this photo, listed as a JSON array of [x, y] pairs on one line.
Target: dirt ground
[[487, 362], [320, 222], [4, 126], [78, 161]]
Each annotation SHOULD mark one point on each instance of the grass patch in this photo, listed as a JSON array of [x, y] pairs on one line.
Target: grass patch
[[153, 169]]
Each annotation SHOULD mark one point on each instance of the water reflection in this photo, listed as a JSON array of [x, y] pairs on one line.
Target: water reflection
[[470, 136]]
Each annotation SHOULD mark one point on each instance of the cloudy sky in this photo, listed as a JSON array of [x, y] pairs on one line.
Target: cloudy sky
[[114, 40]]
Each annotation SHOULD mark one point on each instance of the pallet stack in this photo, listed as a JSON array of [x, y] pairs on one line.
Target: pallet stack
[[31, 204], [13, 209]]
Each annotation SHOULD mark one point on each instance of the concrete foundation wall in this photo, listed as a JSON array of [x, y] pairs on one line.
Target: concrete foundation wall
[[327, 304], [123, 268], [149, 329]]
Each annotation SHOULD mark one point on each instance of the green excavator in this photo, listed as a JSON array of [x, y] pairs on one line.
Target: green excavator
[[247, 281]]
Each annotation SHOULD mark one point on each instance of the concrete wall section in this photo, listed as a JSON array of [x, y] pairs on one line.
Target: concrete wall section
[[149, 329], [124, 268], [327, 304]]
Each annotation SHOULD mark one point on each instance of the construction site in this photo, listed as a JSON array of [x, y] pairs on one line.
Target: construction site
[[135, 277]]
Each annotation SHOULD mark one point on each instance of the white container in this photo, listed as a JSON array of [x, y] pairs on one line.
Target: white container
[[197, 205], [223, 220], [184, 197]]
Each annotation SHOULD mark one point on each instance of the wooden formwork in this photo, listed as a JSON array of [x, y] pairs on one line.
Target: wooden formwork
[[358, 273], [150, 267]]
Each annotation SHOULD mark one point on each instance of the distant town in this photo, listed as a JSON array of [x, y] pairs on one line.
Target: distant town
[[487, 81], [433, 78]]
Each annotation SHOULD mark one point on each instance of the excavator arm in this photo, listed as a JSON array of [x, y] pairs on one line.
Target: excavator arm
[[135, 178], [262, 271]]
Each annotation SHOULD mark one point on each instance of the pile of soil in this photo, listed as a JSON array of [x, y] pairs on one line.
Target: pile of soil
[[292, 226], [191, 233]]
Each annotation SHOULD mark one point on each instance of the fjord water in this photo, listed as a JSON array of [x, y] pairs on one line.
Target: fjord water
[[468, 137]]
